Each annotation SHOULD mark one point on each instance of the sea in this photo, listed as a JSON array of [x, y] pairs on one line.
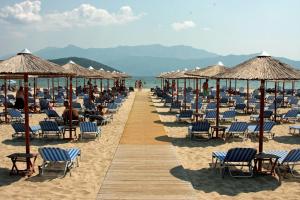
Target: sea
[[151, 82]]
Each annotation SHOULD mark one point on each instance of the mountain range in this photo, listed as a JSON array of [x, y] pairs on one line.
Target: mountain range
[[149, 60]]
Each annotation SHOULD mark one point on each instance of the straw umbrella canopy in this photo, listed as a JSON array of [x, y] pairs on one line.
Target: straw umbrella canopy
[[77, 69], [27, 64], [263, 67], [208, 71]]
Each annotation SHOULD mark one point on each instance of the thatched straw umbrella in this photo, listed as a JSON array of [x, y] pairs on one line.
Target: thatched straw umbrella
[[25, 64], [263, 67], [206, 73]]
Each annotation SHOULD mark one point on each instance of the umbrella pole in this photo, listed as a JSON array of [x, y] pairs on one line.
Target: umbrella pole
[[53, 91], [173, 82], [5, 99], [197, 98], [293, 87], [261, 120], [184, 93], [76, 87], [67, 84], [34, 93], [177, 90], [218, 104], [247, 96], [275, 102], [26, 110], [70, 107], [283, 93], [90, 90]]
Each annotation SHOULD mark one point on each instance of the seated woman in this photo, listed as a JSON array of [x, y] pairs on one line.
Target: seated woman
[[100, 116], [19, 104], [65, 115]]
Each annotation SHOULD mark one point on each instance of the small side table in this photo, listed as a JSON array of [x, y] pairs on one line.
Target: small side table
[[220, 129], [67, 129], [262, 157], [22, 157]]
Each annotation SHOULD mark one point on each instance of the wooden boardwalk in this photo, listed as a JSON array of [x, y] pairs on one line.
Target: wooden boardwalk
[[143, 167]]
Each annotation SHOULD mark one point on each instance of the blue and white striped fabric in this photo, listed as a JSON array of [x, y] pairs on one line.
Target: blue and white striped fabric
[[19, 128], [15, 114], [55, 154], [89, 127], [52, 114], [267, 127], [49, 126], [286, 156], [186, 114], [291, 114], [229, 115], [211, 106], [220, 155], [239, 127], [236, 155], [211, 114], [200, 126]]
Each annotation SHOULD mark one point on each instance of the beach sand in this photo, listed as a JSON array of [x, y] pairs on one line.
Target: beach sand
[[85, 181], [195, 157]]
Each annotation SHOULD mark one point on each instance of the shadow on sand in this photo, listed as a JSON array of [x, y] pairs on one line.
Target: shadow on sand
[[288, 139], [7, 179], [209, 180]]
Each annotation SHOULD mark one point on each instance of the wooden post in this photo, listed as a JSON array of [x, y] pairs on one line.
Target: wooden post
[[34, 93], [53, 92], [70, 107], [177, 92], [26, 111], [247, 96], [275, 102], [5, 99], [261, 115], [173, 83], [293, 88], [218, 104], [283, 92], [197, 98]]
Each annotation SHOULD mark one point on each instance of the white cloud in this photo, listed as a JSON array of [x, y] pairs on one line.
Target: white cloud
[[24, 12], [206, 29], [178, 26], [88, 15], [28, 12]]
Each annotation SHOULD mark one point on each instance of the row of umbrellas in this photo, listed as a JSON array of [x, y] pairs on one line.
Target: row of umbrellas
[[25, 65], [260, 68]]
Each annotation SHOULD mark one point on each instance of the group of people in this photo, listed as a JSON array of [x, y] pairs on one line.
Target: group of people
[[139, 84]]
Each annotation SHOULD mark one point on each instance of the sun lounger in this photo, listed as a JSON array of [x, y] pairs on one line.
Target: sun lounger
[[235, 157], [199, 129], [15, 115], [54, 155], [290, 116], [89, 128], [288, 159], [237, 129], [267, 115], [184, 115], [228, 115], [210, 115], [268, 126], [51, 128], [19, 128], [176, 105]]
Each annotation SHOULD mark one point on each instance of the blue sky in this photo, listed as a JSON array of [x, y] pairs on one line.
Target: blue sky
[[224, 27]]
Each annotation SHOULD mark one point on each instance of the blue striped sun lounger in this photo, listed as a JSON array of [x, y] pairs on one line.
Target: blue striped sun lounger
[[184, 115], [15, 115], [89, 128], [288, 159], [268, 126], [228, 115], [51, 128], [235, 157], [53, 155], [19, 128], [237, 129], [199, 128]]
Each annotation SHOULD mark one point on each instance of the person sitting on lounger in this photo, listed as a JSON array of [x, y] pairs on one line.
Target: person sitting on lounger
[[20, 98], [65, 115]]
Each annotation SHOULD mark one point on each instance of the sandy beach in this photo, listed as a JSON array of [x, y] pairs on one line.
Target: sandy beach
[[85, 181], [195, 157]]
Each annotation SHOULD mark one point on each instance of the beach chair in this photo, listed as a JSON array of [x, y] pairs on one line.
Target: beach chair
[[240, 107], [176, 105], [184, 115], [44, 104], [290, 116], [19, 128], [15, 115], [235, 157], [51, 128], [224, 101], [268, 126], [53, 115], [237, 129], [210, 115], [199, 128], [53, 155], [211, 106], [228, 116], [288, 160], [267, 116], [112, 108], [59, 101], [89, 128]]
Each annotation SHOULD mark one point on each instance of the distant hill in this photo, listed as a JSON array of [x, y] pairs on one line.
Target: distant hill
[[83, 62], [149, 60]]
